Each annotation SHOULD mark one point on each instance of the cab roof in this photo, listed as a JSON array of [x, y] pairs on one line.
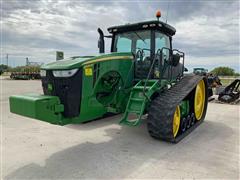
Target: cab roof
[[158, 25]]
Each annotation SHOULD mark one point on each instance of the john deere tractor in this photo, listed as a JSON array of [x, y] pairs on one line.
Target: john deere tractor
[[143, 78]]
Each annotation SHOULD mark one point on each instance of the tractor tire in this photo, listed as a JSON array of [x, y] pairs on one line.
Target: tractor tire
[[162, 110]]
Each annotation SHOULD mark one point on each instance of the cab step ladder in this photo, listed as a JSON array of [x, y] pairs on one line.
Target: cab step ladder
[[137, 101]]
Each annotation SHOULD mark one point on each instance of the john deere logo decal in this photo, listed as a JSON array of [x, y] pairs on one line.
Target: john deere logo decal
[[88, 71]]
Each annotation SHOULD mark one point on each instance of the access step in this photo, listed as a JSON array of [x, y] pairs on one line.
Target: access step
[[138, 99]]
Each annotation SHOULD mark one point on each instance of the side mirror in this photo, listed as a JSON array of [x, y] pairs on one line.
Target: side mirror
[[101, 44], [59, 55], [175, 59], [185, 70]]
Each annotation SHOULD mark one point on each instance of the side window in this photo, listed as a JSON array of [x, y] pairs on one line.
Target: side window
[[145, 45], [162, 41], [124, 45]]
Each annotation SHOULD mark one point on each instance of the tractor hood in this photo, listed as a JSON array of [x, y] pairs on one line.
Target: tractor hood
[[78, 61]]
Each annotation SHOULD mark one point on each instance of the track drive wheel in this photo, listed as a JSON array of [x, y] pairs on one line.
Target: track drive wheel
[[200, 100], [170, 126], [176, 121]]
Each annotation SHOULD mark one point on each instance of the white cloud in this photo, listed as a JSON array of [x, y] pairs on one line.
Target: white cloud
[[37, 28], [69, 19], [214, 33], [210, 63]]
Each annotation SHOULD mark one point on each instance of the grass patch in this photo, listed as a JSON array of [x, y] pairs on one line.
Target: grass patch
[[226, 82]]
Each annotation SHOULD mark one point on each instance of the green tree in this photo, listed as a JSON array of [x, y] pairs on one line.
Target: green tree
[[223, 71], [25, 69], [3, 68], [237, 74]]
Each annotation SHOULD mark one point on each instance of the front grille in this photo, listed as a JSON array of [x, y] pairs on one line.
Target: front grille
[[68, 90]]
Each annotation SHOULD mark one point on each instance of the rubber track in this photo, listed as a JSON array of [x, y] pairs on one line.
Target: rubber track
[[162, 108]]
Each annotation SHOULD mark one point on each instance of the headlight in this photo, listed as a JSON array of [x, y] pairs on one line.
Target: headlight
[[64, 73], [43, 73]]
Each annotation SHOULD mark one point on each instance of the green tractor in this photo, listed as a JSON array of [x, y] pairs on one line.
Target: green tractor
[[200, 71], [143, 78]]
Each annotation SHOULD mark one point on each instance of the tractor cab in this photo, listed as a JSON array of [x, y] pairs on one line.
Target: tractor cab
[[200, 71], [150, 43]]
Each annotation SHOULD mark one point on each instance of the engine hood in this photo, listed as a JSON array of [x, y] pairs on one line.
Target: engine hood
[[78, 61]]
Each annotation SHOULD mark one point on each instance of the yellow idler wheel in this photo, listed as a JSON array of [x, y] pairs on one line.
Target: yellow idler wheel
[[199, 100], [176, 121]]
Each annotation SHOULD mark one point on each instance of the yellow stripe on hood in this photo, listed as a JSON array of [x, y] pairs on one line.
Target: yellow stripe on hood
[[109, 58]]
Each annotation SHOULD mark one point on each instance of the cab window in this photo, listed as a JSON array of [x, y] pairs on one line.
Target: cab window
[[124, 44], [144, 45], [161, 40], [132, 41]]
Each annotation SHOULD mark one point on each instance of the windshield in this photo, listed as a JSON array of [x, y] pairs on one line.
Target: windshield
[[133, 41]]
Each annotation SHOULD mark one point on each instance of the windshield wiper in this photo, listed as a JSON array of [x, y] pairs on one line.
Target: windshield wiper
[[140, 37]]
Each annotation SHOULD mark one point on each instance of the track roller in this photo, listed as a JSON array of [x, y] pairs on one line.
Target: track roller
[[184, 124], [192, 119], [188, 121]]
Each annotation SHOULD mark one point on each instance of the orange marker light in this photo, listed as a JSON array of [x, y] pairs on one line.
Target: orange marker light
[[158, 14]]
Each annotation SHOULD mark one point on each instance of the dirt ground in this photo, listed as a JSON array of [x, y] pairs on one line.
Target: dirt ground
[[103, 149]]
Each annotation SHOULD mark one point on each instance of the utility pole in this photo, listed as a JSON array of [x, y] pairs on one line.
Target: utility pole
[[27, 61], [7, 59]]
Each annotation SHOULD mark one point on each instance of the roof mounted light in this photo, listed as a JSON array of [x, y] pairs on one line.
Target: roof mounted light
[[152, 25], [158, 14]]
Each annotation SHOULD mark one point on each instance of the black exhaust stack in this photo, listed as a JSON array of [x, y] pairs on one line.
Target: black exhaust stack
[[101, 44]]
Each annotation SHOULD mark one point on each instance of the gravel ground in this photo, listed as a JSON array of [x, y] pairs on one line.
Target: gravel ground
[[103, 149]]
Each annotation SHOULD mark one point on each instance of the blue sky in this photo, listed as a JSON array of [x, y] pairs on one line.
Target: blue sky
[[207, 30]]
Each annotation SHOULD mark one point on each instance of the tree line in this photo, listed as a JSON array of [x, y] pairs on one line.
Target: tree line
[[5, 68], [220, 71], [224, 71]]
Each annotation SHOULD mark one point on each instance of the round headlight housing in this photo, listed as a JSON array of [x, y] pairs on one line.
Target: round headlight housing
[[64, 73], [43, 73]]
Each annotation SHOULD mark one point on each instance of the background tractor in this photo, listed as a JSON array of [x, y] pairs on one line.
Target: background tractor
[[212, 79], [143, 75], [200, 71]]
